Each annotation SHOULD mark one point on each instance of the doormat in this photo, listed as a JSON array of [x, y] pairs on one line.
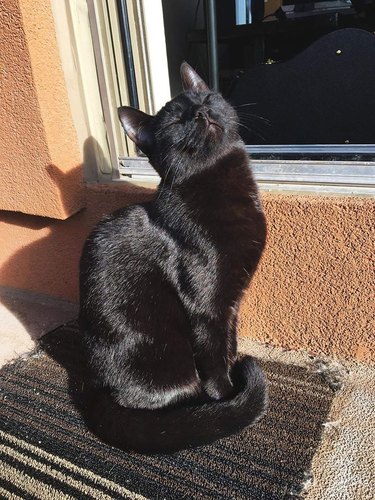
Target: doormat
[[46, 452]]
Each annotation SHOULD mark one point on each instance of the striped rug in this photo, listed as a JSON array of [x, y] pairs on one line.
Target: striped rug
[[47, 453]]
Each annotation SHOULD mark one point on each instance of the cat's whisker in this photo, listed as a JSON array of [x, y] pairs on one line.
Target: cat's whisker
[[253, 130], [171, 163], [171, 147], [243, 105], [254, 116], [176, 168]]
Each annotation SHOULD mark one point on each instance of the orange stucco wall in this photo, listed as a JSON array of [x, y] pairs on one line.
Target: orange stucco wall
[[314, 288], [38, 142], [315, 285]]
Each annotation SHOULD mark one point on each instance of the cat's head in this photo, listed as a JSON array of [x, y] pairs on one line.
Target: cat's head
[[189, 133]]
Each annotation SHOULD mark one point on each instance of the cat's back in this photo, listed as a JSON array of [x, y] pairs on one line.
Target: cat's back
[[122, 228], [128, 242]]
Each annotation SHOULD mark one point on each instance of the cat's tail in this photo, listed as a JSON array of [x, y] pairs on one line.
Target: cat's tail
[[176, 428]]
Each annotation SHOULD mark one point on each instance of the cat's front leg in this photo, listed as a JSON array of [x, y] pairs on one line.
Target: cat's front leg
[[213, 354]]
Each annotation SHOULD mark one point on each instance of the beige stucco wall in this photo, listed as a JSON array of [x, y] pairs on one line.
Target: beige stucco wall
[[314, 288], [38, 143]]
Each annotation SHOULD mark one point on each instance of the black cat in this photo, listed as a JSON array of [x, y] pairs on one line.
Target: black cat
[[161, 284]]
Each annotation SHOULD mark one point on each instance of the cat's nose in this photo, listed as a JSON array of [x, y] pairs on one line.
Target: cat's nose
[[204, 114], [197, 112], [201, 115]]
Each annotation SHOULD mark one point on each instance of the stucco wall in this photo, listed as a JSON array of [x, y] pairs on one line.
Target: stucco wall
[[315, 285], [38, 141], [313, 290]]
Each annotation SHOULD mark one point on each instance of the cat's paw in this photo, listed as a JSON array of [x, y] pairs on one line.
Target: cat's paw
[[219, 388]]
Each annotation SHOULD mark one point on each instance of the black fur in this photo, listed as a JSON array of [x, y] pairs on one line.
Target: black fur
[[161, 284]]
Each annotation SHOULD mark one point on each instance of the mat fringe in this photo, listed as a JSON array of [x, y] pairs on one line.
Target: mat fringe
[[332, 372]]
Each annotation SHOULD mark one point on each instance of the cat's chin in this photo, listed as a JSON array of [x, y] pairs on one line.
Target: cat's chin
[[215, 127], [214, 131]]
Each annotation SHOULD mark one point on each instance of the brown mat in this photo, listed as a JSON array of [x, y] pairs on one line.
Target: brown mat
[[46, 451]]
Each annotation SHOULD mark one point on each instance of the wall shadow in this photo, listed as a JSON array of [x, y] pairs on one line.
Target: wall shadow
[[47, 253]]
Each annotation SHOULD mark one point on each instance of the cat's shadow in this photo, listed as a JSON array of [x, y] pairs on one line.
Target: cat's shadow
[[64, 346]]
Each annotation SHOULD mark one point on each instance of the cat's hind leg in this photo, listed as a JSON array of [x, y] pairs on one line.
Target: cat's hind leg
[[151, 359]]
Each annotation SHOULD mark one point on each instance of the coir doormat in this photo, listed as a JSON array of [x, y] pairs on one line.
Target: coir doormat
[[46, 452]]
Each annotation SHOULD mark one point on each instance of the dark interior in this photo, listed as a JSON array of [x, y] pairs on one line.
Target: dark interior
[[324, 95], [300, 72]]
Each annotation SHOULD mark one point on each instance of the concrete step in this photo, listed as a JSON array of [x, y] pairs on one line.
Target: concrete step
[[25, 317]]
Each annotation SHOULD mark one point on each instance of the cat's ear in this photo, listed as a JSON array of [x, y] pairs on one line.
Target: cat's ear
[[137, 126], [191, 80]]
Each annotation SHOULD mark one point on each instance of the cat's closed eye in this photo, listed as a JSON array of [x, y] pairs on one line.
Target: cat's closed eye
[[174, 108], [208, 99]]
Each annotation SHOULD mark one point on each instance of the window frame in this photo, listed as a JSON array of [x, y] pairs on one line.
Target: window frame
[[323, 176], [351, 168]]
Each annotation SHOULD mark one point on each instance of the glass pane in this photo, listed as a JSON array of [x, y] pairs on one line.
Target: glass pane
[[298, 72]]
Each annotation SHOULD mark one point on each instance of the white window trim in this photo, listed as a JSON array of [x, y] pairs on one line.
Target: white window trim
[[77, 56], [155, 44]]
